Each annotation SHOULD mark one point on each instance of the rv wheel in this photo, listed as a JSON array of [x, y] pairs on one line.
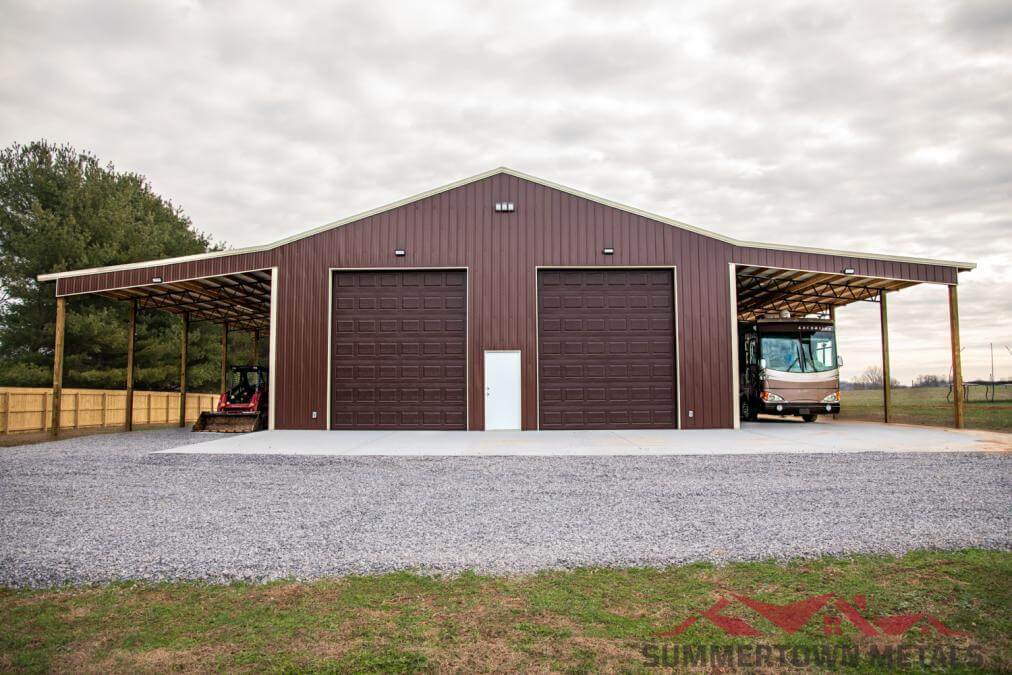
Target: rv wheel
[[809, 418]]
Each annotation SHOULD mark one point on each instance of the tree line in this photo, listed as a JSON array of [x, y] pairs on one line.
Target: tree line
[[61, 209], [873, 378]]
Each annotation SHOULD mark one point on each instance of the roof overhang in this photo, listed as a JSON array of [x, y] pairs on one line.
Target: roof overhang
[[959, 266], [242, 300]]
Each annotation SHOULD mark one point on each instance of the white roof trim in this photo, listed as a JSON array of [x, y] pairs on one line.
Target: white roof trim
[[482, 176]]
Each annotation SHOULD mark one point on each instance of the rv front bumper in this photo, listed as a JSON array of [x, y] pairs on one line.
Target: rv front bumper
[[789, 408]]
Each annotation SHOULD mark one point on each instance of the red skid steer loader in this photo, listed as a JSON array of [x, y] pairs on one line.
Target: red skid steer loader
[[242, 407]]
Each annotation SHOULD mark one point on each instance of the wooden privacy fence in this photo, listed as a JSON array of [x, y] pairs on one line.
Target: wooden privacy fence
[[29, 409]]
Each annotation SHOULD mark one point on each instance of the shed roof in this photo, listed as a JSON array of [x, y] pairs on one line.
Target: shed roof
[[958, 265]]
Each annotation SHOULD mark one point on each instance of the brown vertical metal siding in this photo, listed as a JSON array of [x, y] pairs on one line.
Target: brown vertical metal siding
[[459, 228], [818, 262], [175, 272], [501, 253]]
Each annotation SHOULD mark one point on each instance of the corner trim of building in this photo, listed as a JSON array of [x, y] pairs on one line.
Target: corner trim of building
[[735, 393], [273, 358]]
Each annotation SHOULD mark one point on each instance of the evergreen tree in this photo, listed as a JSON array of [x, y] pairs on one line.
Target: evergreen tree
[[61, 209]]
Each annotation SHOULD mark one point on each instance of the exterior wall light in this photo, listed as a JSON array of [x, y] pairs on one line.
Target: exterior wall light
[[848, 270], [505, 207], [156, 280], [608, 251], [400, 252]]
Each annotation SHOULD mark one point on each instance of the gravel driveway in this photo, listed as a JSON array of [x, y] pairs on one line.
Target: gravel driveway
[[100, 508]]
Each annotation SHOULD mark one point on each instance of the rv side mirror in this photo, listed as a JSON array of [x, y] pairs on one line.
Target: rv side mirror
[[839, 361], [762, 363]]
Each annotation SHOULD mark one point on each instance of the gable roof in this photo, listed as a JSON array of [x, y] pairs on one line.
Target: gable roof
[[960, 266]]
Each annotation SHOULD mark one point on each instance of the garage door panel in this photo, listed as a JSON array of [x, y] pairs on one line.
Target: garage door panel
[[399, 372], [614, 371]]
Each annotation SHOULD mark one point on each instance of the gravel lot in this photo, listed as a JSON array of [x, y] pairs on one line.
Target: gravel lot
[[100, 508]]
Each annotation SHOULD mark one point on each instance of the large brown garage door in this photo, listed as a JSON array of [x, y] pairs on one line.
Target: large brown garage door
[[606, 349], [398, 353]]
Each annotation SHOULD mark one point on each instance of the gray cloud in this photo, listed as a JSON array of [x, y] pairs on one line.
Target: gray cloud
[[984, 24], [859, 126]]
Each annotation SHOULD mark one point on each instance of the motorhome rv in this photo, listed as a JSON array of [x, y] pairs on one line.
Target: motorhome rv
[[788, 366]]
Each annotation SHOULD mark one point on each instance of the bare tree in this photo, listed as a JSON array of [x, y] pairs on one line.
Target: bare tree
[[872, 378], [930, 381]]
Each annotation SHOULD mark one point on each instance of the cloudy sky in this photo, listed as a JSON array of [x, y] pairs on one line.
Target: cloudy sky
[[870, 126]]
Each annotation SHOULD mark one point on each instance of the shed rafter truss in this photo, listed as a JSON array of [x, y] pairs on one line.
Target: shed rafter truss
[[242, 300], [193, 299], [762, 290], [771, 290]]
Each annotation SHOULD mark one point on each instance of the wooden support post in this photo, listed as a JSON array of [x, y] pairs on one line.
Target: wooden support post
[[832, 317], [61, 320], [7, 412], [224, 357], [256, 347], [184, 342], [887, 396], [957, 365], [128, 422]]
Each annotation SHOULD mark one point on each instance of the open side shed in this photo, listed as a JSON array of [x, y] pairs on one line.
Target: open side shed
[[238, 302], [763, 290], [505, 301]]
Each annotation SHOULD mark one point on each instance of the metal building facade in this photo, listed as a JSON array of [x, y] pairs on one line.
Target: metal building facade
[[501, 253]]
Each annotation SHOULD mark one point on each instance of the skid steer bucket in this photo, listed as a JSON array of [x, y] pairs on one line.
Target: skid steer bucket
[[229, 423]]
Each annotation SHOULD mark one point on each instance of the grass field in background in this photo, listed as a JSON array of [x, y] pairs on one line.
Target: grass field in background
[[927, 405], [574, 621]]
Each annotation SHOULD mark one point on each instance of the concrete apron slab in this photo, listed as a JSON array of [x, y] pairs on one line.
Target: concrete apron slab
[[751, 439]]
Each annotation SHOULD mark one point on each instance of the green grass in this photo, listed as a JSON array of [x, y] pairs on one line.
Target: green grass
[[576, 621], [927, 405]]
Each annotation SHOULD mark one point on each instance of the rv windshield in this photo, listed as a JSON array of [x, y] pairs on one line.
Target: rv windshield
[[800, 352]]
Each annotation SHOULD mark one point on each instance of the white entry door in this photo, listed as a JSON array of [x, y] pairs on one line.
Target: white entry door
[[502, 390]]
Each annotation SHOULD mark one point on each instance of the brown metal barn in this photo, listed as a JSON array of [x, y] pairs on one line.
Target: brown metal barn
[[384, 320]]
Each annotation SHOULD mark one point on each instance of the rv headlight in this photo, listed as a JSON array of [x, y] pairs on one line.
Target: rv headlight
[[832, 398], [770, 396]]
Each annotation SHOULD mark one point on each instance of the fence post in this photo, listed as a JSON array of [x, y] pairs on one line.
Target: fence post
[[7, 412]]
